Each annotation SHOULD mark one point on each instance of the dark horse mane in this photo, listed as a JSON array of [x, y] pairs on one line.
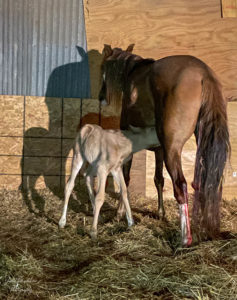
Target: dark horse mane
[[119, 68]]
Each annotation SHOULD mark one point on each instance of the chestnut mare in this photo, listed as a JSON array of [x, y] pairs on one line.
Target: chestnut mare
[[180, 95]]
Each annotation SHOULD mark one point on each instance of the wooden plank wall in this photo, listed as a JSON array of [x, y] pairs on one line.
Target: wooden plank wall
[[166, 27], [229, 8], [162, 28], [36, 138]]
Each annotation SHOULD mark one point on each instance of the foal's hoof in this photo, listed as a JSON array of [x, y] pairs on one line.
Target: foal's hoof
[[130, 223], [93, 234], [119, 217], [61, 224]]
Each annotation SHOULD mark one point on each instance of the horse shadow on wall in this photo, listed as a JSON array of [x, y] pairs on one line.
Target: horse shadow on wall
[[46, 151]]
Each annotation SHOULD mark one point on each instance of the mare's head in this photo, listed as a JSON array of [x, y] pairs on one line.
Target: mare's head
[[113, 74]]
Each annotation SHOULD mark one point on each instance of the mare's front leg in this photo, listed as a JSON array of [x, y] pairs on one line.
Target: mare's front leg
[[77, 163], [99, 199], [159, 179], [126, 174], [126, 171]]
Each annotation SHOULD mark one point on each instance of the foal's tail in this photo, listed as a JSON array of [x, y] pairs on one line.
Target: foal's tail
[[213, 147]]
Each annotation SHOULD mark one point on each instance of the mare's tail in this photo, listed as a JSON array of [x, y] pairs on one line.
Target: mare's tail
[[213, 147]]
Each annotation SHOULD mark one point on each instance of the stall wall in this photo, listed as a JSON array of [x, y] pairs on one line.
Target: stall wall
[[162, 28]]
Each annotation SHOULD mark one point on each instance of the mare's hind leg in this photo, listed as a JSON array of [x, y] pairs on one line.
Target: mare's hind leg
[[76, 166], [179, 120], [173, 164], [159, 179]]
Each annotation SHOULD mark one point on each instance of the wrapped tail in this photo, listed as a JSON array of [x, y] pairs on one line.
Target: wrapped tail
[[213, 148]]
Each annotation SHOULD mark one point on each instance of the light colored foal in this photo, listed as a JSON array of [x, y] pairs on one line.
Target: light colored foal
[[105, 151]]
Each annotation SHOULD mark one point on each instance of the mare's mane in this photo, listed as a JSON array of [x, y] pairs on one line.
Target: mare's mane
[[118, 68]]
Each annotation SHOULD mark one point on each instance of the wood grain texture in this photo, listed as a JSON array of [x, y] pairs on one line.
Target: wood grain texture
[[162, 28], [11, 115], [10, 165], [11, 145], [47, 137], [138, 174], [43, 117], [71, 116], [229, 8], [10, 182]]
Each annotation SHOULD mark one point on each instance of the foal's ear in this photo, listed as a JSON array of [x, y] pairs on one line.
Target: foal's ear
[[107, 51], [130, 48]]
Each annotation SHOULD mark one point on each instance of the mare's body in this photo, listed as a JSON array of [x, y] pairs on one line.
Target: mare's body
[[180, 95]]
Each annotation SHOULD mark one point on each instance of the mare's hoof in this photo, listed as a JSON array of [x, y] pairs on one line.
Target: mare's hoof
[[161, 215], [187, 242]]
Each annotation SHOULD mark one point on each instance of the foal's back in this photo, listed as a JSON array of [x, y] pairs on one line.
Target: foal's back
[[99, 146]]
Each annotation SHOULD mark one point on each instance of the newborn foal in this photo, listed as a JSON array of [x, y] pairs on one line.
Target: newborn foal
[[105, 151]]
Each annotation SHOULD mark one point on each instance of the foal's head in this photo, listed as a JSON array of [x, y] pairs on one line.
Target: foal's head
[[113, 72]]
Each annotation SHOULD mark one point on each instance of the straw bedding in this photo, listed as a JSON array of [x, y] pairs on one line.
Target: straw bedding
[[39, 261]]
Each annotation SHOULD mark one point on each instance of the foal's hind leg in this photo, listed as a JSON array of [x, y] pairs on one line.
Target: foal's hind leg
[[89, 184], [159, 179], [99, 199], [76, 166], [124, 195], [126, 175]]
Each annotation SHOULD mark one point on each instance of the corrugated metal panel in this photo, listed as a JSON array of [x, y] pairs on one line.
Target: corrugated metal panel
[[43, 48]]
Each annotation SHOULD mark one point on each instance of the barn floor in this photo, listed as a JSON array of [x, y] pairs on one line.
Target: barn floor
[[39, 261]]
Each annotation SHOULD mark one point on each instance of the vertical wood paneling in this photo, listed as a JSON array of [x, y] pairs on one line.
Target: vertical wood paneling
[[162, 28], [165, 27]]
